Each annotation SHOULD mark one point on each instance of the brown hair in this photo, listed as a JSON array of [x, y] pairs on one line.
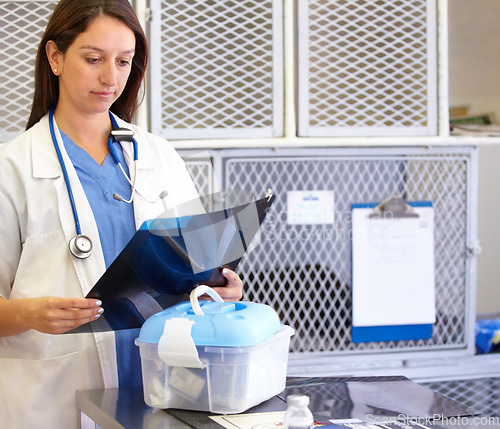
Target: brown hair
[[69, 19]]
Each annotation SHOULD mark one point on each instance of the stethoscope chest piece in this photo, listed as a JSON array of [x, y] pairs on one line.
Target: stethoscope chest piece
[[80, 246]]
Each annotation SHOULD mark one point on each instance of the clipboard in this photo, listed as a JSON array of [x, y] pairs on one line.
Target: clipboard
[[393, 284], [168, 257]]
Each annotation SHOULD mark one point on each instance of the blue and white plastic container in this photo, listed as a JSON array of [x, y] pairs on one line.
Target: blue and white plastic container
[[222, 357]]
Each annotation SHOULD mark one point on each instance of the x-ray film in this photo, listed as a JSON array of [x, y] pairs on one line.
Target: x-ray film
[[169, 256]]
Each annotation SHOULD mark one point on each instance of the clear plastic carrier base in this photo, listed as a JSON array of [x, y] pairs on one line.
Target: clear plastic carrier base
[[225, 360]]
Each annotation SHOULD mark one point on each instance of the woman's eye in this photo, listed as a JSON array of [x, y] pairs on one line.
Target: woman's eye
[[124, 62], [92, 60]]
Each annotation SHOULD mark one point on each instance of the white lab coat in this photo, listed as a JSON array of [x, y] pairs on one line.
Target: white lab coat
[[39, 373]]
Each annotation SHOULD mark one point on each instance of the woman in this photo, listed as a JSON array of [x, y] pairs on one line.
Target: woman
[[91, 60]]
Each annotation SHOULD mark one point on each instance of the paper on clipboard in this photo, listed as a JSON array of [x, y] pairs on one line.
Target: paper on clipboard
[[393, 290]]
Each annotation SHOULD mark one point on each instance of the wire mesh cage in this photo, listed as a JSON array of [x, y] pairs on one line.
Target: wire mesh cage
[[367, 67], [201, 171], [304, 270], [21, 27], [217, 68]]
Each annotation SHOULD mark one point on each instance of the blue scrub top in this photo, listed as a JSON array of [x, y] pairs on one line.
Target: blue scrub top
[[116, 225], [115, 219]]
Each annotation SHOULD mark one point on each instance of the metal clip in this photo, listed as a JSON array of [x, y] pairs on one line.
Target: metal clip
[[269, 194]]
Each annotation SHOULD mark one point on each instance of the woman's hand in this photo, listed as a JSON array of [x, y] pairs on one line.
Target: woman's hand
[[50, 315], [233, 291]]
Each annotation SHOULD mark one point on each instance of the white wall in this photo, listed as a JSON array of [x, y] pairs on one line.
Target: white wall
[[474, 56]]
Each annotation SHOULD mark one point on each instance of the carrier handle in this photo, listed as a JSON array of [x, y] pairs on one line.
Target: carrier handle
[[198, 291]]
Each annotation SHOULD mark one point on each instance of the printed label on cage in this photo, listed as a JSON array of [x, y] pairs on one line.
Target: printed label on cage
[[310, 207]]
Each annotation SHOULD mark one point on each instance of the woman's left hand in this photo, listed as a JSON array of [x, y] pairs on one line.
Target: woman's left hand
[[233, 291]]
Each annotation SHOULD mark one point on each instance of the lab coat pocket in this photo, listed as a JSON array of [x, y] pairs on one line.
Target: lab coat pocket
[[40, 393]]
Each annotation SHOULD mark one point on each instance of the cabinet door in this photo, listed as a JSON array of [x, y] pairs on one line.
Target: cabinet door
[[367, 68], [216, 68], [302, 266]]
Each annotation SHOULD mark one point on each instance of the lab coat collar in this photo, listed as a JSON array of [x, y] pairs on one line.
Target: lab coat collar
[[44, 158]]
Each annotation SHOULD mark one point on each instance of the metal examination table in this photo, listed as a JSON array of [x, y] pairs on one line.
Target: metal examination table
[[125, 408]]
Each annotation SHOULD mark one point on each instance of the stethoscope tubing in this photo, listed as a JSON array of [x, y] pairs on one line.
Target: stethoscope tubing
[[65, 173], [80, 246]]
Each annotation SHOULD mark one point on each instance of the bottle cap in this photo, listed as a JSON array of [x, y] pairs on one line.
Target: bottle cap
[[298, 400]]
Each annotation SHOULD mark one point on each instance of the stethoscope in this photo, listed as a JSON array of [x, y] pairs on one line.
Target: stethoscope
[[81, 245]]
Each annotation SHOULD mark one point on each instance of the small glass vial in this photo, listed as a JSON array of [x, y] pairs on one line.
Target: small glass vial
[[298, 415]]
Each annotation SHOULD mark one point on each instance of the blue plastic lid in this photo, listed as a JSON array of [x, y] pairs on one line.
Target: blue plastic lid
[[224, 324]]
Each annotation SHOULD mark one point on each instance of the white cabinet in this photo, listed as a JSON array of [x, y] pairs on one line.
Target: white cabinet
[[367, 68]]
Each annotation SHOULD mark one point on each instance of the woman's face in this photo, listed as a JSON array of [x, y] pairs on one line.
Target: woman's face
[[94, 70]]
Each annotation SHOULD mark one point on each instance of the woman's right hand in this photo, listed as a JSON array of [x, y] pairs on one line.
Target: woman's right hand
[[50, 315]]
